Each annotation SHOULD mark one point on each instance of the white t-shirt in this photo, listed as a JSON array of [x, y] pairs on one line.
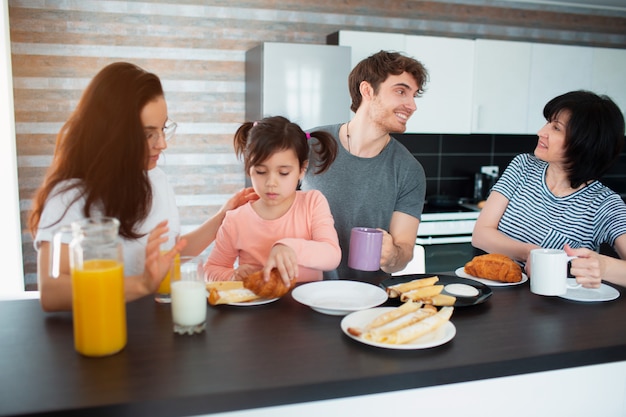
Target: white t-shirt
[[163, 207]]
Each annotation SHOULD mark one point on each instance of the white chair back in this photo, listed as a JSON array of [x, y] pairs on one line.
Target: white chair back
[[417, 265]]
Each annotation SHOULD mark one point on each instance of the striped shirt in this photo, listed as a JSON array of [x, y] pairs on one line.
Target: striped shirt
[[587, 218]]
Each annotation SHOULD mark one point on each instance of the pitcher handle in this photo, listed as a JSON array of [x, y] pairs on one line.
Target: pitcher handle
[[55, 258]]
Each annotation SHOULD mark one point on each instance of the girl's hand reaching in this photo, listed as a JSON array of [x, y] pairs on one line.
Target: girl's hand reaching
[[243, 271], [285, 260]]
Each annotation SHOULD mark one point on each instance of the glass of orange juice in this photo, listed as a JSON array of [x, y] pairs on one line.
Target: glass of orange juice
[[99, 307], [164, 292]]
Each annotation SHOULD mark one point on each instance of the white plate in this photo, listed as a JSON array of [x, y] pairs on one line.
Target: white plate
[[461, 273], [360, 319], [256, 302], [590, 295], [340, 297]]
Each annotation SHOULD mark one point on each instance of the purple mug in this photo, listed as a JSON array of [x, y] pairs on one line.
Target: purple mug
[[365, 248]]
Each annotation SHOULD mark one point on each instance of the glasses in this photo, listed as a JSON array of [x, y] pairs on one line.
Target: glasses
[[168, 131]]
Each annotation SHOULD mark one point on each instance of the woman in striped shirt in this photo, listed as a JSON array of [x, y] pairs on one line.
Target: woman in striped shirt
[[554, 199]]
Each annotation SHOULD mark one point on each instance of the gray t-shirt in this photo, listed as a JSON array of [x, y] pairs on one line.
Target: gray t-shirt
[[364, 192]]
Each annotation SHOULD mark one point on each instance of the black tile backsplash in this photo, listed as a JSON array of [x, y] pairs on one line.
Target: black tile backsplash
[[476, 144], [422, 144], [450, 161], [514, 144]]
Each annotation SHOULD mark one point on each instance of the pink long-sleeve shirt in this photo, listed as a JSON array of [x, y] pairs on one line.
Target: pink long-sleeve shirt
[[307, 227]]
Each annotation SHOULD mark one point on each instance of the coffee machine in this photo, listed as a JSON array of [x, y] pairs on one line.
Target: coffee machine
[[483, 181]]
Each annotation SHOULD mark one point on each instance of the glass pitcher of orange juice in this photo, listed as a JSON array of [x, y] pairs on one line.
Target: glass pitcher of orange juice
[[97, 270]]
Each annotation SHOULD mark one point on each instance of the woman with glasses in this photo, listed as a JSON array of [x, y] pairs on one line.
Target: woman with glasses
[[105, 164]]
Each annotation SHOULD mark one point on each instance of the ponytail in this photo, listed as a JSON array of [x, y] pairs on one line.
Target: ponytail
[[240, 140], [326, 149], [254, 142]]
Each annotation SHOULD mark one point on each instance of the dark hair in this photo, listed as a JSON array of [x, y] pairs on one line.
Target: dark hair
[[594, 135], [103, 144], [375, 70], [257, 141]]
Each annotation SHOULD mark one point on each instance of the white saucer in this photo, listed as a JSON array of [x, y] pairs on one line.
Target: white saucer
[[461, 273], [590, 295]]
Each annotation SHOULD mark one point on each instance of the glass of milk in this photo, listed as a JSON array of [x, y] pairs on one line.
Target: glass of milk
[[189, 297]]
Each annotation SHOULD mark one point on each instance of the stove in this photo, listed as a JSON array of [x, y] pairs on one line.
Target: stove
[[455, 221], [446, 235], [456, 208]]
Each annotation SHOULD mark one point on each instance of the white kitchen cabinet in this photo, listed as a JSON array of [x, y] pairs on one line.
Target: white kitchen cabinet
[[494, 86], [305, 83], [501, 83], [364, 44], [555, 70], [446, 105], [608, 74]]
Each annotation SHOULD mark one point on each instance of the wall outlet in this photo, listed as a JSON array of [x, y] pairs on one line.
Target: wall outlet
[[491, 170]]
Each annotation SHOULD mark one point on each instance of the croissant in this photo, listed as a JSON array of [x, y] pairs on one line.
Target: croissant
[[273, 288], [494, 266]]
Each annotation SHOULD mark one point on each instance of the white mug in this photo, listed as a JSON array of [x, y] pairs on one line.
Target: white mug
[[549, 272]]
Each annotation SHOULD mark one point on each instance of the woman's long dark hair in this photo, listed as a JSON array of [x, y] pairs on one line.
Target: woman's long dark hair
[[103, 145], [257, 141]]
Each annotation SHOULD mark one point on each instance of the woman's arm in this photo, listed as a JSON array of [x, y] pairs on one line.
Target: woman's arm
[[487, 237], [56, 293], [199, 239], [219, 266], [590, 268]]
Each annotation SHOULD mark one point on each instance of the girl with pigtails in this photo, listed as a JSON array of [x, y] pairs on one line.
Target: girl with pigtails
[[286, 229]]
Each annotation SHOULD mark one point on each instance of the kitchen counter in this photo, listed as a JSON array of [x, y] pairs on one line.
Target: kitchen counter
[[286, 353]]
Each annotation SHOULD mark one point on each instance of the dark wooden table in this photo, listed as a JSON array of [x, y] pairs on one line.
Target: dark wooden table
[[284, 353]]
